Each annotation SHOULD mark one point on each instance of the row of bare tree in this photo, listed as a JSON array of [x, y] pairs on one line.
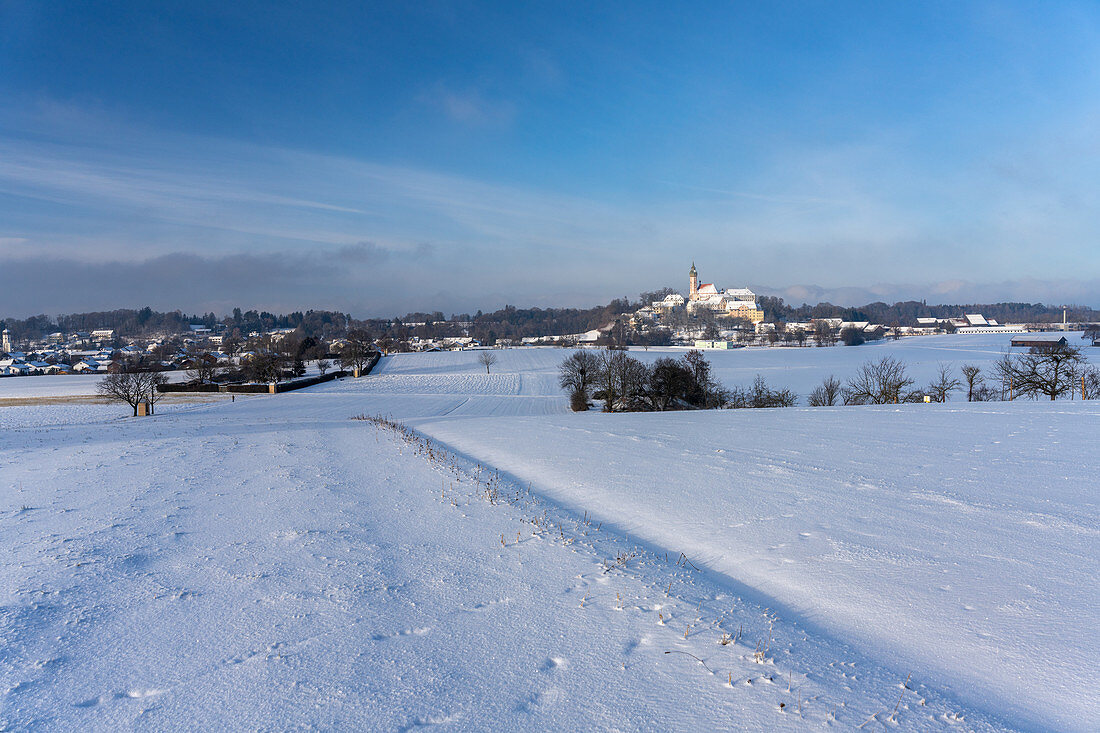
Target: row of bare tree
[[275, 366], [623, 383], [1043, 372]]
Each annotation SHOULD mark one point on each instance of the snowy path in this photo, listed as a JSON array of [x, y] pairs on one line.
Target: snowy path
[[249, 568]]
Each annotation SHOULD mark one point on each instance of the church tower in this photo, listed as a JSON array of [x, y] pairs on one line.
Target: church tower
[[5, 341], [693, 282]]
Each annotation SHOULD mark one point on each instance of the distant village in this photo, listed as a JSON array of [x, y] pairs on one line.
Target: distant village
[[707, 317], [713, 318]]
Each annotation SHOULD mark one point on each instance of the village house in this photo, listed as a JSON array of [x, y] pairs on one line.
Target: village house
[[1040, 340], [89, 365], [671, 302]]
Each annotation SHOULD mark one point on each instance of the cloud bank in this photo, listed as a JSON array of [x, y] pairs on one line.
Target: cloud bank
[[200, 223]]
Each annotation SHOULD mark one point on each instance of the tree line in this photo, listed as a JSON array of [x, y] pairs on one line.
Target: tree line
[[625, 384], [510, 322], [907, 312]]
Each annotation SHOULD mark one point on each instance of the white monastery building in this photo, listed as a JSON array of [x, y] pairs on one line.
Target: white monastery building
[[732, 303]]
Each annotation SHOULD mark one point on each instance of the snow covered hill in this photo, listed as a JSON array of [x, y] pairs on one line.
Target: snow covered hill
[[955, 541], [274, 563]]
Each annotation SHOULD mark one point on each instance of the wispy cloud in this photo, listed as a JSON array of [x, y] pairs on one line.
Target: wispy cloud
[[838, 215], [1024, 290], [770, 198], [470, 107], [281, 280]]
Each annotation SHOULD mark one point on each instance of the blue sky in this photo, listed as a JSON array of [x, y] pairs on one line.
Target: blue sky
[[379, 158]]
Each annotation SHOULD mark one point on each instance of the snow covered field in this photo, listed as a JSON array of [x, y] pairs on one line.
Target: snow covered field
[[961, 543], [79, 385], [797, 368], [60, 385], [272, 563]]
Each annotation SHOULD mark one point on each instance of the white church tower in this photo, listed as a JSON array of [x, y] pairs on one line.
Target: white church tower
[[5, 341]]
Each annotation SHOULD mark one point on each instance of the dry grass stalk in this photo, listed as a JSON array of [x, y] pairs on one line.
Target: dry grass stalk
[[873, 717], [697, 659], [904, 687]]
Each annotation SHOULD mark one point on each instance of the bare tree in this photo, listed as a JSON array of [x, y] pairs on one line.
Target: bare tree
[[668, 380], [133, 388], [486, 359], [154, 380], [852, 337], [605, 380], [1092, 333], [577, 374], [631, 376], [972, 375], [877, 383], [621, 379], [1043, 371], [204, 367], [357, 352], [264, 368], [323, 366], [764, 396], [824, 334], [943, 385], [758, 395], [705, 391], [1090, 383], [827, 393]]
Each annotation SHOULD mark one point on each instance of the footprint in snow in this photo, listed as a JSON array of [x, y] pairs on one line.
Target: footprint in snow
[[552, 664], [428, 721], [421, 631], [138, 694]]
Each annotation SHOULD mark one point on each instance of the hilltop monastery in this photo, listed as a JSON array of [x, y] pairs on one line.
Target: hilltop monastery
[[731, 303]]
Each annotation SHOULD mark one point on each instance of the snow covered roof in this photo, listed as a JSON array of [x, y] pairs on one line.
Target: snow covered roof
[[671, 299], [1046, 338]]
